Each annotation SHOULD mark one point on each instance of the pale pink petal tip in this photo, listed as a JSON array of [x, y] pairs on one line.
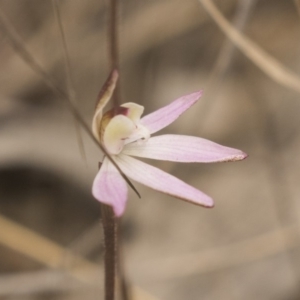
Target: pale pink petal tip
[[241, 156], [244, 155], [110, 188]]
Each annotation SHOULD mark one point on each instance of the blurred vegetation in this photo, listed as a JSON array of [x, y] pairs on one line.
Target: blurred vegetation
[[244, 248]]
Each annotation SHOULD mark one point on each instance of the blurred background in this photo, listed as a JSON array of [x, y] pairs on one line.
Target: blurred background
[[247, 247]]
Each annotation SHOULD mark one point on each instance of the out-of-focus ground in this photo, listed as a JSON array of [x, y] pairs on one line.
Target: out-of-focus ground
[[247, 247]]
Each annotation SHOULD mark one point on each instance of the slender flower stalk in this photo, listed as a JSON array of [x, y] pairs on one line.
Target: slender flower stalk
[[110, 224], [110, 246], [125, 287], [124, 134], [114, 42]]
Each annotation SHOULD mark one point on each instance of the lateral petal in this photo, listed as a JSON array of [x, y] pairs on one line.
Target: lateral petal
[[161, 181], [169, 113], [110, 188], [182, 148]]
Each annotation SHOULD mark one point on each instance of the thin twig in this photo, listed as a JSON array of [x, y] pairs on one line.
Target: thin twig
[[224, 59], [297, 3], [18, 46], [147, 36], [243, 11], [70, 83], [268, 64]]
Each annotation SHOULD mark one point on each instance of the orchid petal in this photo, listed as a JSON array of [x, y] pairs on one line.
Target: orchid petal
[[103, 98], [182, 148], [117, 130], [168, 114], [161, 181], [110, 188]]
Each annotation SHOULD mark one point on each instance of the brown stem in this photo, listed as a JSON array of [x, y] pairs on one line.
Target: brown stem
[[114, 43], [124, 286], [110, 224], [110, 242]]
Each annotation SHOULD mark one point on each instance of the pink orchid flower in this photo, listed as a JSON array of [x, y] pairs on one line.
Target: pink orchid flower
[[125, 134]]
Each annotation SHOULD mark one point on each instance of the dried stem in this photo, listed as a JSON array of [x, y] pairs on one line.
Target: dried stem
[[268, 64], [297, 3], [110, 224], [70, 83], [225, 58], [114, 43], [126, 291], [110, 241]]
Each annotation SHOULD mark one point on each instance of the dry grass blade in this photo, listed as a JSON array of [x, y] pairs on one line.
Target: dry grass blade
[[30, 283], [38, 248], [224, 59], [297, 3], [268, 64], [17, 44], [226, 54], [52, 255], [88, 241], [228, 256], [70, 83]]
